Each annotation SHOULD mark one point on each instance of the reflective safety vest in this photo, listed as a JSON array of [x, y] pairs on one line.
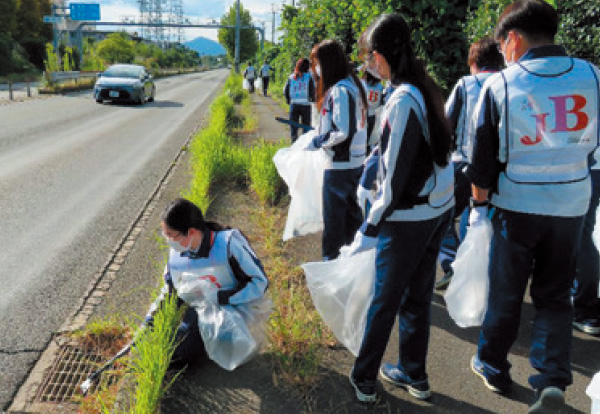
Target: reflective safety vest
[[471, 86], [351, 152], [548, 127], [214, 268], [299, 88], [438, 191]]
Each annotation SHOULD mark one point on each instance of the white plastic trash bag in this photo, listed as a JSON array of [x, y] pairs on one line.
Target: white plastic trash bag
[[302, 171], [233, 334], [246, 84], [593, 391], [596, 237], [467, 295], [342, 291], [258, 83]]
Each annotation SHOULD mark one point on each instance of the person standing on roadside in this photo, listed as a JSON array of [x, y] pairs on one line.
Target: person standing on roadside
[[250, 75], [342, 135], [586, 302], [484, 60], [208, 252], [265, 72], [409, 214], [299, 92], [536, 126]]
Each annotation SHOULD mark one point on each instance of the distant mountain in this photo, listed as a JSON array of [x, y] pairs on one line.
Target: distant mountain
[[206, 46]]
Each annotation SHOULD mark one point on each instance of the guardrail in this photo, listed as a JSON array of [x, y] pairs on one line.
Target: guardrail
[[10, 89], [72, 75]]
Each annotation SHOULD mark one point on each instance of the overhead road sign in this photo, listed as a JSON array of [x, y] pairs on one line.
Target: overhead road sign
[[52, 19], [85, 11]]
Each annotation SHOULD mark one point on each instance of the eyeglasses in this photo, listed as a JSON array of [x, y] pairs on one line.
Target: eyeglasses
[[177, 235]]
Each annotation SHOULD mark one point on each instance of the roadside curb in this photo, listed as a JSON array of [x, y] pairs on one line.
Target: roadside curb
[[24, 400]]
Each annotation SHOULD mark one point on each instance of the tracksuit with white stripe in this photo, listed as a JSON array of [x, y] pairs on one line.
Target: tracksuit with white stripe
[[343, 137], [409, 217]]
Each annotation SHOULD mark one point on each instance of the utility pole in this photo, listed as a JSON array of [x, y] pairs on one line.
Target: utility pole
[[273, 24], [237, 38]]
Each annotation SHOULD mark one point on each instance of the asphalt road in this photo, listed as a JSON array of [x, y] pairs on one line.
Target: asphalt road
[[73, 177]]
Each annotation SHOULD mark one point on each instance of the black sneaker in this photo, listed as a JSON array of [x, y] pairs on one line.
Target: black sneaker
[[443, 283], [590, 326], [392, 374], [549, 400], [365, 390], [496, 384]]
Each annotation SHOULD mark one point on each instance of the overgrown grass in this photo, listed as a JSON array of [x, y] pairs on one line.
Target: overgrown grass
[[296, 331], [233, 88], [250, 122], [215, 156], [264, 179], [151, 358], [67, 86]]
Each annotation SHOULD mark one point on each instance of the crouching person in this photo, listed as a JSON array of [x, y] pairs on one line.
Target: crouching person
[[214, 271]]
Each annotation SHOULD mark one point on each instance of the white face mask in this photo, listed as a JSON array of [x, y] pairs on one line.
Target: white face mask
[[370, 66], [175, 245], [507, 62], [318, 70], [374, 72]]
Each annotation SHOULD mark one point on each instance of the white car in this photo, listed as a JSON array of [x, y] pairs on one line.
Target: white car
[[125, 83]]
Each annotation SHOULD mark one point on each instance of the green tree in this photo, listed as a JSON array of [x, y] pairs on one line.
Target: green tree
[[580, 28], [30, 32], [8, 21], [248, 37], [117, 48]]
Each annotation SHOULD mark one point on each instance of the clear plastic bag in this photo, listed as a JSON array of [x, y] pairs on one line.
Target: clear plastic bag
[[302, 171], [258, 83], [233, 334], [246, 84], [342, 291], [596, 238], [593, 391], [467, 295]]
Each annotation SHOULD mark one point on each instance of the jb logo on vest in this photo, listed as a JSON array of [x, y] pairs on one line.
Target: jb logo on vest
[[561, 118]]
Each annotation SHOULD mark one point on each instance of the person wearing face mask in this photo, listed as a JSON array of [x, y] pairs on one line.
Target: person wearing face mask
[[342, 136], [374, 91], [220, 258], [484, 60], [536, 126], [409, 214]]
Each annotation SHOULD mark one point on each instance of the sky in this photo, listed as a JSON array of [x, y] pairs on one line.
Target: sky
[[198, 12]]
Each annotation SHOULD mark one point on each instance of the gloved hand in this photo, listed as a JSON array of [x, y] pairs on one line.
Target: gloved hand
[[477, 215], [363, 195], [360, 244]]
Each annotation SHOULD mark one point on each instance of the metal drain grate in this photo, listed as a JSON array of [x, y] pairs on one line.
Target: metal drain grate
[[71, 368]]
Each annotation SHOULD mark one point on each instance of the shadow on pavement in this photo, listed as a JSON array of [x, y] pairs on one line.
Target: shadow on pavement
[[584, 346], [253, 388]]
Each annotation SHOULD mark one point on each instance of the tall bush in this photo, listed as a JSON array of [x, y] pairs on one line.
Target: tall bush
[[580, 28]]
